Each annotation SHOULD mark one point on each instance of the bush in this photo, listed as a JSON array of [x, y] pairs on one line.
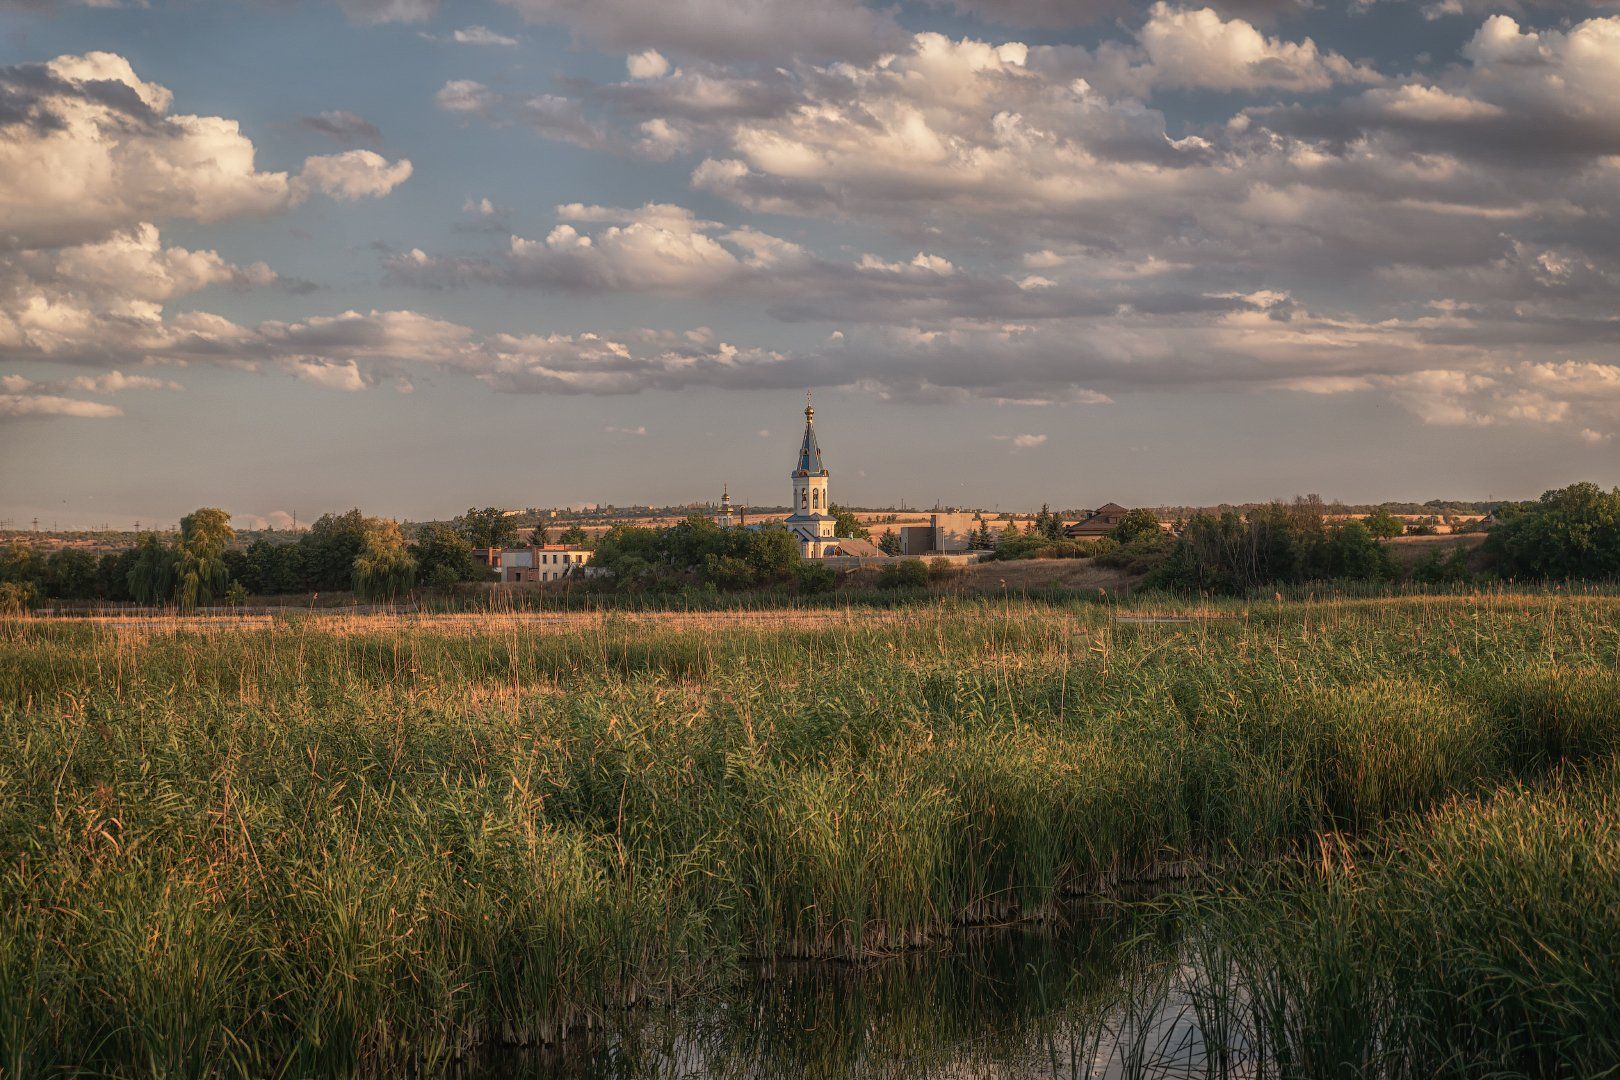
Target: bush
[[903, 574], [17, 596], [1437, 569], [1140, 556], [813, 577]]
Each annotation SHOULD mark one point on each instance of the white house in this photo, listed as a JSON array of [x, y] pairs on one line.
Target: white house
[[548, 562]]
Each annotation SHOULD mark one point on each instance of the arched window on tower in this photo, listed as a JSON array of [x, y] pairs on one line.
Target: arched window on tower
[[804, 500]]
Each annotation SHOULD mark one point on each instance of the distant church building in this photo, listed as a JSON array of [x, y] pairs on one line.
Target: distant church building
[[726, 517], [812, 519]]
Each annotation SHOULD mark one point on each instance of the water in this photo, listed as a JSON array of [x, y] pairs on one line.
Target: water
[[1022, 1002]]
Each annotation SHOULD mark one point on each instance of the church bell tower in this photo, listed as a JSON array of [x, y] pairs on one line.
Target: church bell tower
[[811, 520]]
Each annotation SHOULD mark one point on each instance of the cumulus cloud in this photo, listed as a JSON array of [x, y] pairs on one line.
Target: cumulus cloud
[[351, 175], [87, 147], [344, 376], [1196, 48]]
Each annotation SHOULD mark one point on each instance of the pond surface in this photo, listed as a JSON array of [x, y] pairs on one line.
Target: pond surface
[[1020, 1002]]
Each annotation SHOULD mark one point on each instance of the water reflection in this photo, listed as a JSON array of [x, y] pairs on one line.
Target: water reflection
[[1050, 1001]]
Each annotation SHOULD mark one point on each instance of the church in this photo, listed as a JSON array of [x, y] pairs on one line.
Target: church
[[811, 520]]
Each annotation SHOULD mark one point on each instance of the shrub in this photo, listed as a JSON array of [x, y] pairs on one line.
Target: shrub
[[17, 596], [1140, 556], [905, 573], [813, 577]]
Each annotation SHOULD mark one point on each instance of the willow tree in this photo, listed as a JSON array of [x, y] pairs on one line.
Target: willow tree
[[200, 574], [384, 568]]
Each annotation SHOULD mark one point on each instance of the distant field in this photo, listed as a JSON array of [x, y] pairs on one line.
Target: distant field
[[329, 844]]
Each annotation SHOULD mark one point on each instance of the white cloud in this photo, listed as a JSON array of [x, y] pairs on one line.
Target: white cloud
[[465, 96], [647, 64], [351, 175], [18, 405], [1021, 442], [95, 150], [1196, 48], [481, 35], [345, 377]]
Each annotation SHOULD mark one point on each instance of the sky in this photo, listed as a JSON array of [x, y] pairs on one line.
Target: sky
[[293, 256]]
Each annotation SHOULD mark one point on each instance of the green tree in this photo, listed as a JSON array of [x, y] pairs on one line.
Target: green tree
[[540, 536], [574, 536], [152, 573], [1048, 524], [845, 524], [1383, 524], [889, 542], [1138, 524], [982, 540], [443, 557], [329, 549], [199, 571], [20, 563], [1570, 533], [71, 574], [384, 568], [112, 574], [490, 527]]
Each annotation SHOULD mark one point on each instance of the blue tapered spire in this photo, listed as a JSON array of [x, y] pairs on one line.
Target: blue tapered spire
[[809, 452]]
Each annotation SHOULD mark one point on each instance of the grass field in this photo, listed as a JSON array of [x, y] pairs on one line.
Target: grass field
[[328, 844]]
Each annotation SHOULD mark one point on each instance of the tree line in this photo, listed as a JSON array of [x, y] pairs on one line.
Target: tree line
[[199, 566]]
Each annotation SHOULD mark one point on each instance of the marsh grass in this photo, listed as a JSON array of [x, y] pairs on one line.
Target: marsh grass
[[324, 844]]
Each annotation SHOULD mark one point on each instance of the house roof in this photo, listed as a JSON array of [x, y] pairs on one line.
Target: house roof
[[853, 546], [1109, 508]]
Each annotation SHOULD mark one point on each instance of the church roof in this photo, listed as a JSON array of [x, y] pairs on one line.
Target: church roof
[[809, 463]]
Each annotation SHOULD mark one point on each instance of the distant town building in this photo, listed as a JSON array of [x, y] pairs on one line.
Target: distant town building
[[725, 517], [1100, 522], [544, 562], [935, 538]]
